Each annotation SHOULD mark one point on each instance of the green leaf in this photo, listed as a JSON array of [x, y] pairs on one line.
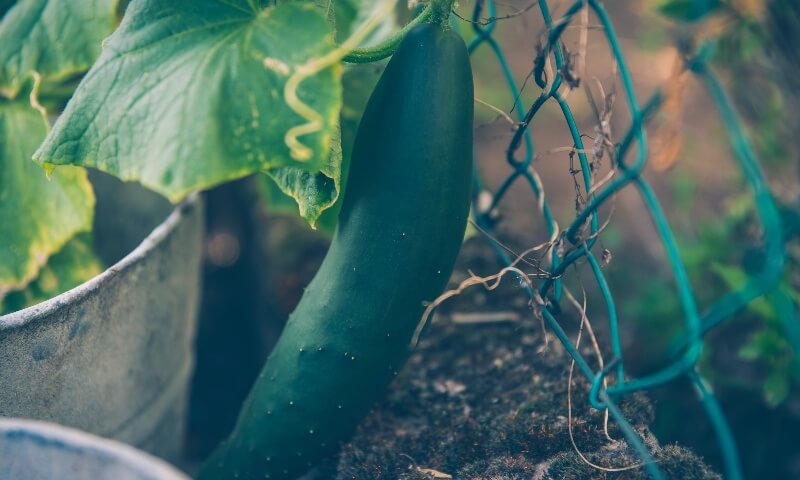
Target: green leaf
[[363, 10], [73, 265], [767, 345], [319, 196], [37, 215], [689, 10], [789, 290], [736, 278], [190, 94], [750, 351], [359, 81], [312, 192], [776, 388], [345, 13], [56, 39]]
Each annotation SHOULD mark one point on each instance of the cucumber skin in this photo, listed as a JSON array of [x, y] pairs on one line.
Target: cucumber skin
[[400, 230]]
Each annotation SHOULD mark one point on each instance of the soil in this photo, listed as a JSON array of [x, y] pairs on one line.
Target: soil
[[488, 401], [481, 400]]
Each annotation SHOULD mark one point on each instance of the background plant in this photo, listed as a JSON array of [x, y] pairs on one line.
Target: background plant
[[44, 46], [47, 46]]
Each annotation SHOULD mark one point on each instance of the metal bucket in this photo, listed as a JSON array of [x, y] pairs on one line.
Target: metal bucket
[[113, 356], [34, 450]]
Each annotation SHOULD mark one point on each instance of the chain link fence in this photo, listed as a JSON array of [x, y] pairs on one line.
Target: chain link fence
[[555, 73]]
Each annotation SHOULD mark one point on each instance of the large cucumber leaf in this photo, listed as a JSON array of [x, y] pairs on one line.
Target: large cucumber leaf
[[71, 266], [37, 215], [189, 94], [56, 39], [318, 196]]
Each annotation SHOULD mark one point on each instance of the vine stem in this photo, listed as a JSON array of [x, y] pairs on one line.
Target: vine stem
[[437, 11]]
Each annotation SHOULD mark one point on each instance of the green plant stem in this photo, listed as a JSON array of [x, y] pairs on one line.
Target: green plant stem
[[437, 11]]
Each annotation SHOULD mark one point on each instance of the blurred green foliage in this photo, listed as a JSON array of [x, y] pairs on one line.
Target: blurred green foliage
[[689, 10], [716, 266], [71, 266], [750, 38]]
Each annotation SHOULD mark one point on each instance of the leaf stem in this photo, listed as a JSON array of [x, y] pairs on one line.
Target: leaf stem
[[437, 11]]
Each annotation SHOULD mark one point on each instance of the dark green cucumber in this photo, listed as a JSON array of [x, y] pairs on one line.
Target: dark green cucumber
[[399, 231]]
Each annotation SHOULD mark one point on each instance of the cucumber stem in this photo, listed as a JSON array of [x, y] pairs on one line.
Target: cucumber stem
[[437, 11], [442, 10]]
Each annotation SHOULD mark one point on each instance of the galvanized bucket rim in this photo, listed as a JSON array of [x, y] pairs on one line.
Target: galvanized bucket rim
[[78, 440], [31, 314]]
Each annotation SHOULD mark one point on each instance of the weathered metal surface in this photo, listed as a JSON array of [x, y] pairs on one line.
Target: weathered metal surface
[[35, 450], [114, 355]]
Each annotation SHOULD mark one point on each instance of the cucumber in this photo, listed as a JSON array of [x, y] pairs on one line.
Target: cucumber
[[399, 232]]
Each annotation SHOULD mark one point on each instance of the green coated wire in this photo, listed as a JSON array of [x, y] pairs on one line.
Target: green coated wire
[[725, 437], [764, 282], [521, 168], [484, 35], [769, 276]]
